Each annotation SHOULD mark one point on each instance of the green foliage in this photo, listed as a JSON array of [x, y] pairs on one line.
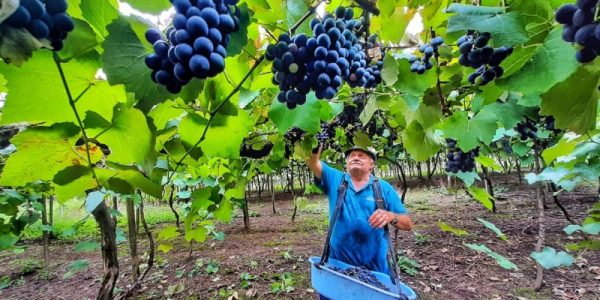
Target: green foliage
[[75, 267], [448, 228], [408, 265], [501, 260], [549, 259], [493, 228], [283, 283]]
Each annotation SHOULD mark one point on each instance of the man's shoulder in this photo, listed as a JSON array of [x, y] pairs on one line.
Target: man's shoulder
[[385, 185]]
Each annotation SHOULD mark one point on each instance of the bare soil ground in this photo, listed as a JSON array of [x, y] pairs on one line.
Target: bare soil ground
[[275, 245]]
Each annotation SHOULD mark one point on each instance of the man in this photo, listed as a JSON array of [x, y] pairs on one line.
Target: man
[[358, 238]]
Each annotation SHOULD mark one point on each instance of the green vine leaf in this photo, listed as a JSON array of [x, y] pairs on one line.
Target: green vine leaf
[[123, 60], [48, 103], [549, 259], [501, 260], [30, 163], [128, 128], [306, 116], [100, 13]]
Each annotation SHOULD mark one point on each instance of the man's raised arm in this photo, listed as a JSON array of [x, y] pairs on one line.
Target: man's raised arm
[[314, 163]]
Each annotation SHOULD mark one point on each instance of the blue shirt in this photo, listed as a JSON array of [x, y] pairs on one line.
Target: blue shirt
[[353, 240]]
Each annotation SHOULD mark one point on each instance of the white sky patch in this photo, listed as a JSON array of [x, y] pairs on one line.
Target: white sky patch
[[415, 26]]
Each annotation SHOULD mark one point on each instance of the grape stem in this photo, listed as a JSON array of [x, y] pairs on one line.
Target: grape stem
[[213, 114], [57, 61]]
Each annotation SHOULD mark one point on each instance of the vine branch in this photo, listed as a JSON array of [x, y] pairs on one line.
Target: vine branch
[[213, 115]]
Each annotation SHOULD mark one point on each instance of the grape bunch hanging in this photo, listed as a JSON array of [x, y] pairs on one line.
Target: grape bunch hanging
[[195, 46], [291, 137], [248, 150], [527, 129], [459, 160], [322, 62], [420, 65], [477, 54], [581, 27], [365, 71], [45, 19]]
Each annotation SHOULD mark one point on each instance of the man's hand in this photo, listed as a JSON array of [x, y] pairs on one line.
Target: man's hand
[[380, 218], [314, 162]]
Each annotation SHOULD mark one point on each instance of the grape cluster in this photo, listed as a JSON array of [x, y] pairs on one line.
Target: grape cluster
[[291, 137], [527, 129], [477, 54], [365, 71], [195, 46], [290, 57], [459, 160], [363, 275], [581, 27], [506, 146], [45, 19], [420, 65], [323, 62], [327, 132], [247, 150]]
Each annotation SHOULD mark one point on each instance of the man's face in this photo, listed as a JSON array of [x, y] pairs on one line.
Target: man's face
[[359, 161]]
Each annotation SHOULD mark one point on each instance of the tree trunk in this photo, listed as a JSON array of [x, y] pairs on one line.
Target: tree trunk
[[273, 193], [109, 251], [542, 229], [246, 215], [171, 203], [46, 235], [259, 191], [293, 193], [131, 218], [518, 165], [562, 208]]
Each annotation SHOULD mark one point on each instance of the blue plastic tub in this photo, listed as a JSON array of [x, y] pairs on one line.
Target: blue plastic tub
[[336, 286]]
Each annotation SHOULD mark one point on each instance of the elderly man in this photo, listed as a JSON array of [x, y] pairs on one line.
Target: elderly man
[[358, 238]]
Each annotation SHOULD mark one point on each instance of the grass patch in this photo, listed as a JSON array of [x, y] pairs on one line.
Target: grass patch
[[72, 223]]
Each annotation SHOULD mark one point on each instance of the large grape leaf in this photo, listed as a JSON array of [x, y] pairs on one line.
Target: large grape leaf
[[153, 7], [81, 40], [506, 28], [224, 136], [419, 143], [123, 60], [305, 116], [468, 133], [501, 260], [578, 111], [390, 70], [127, 136], [509, 113], [36, 92], [164, 112], [125, 181], [413, 84], [100, 13], [550, 259], [34, 148], [399, 17], [553, 62], [74, 189]]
